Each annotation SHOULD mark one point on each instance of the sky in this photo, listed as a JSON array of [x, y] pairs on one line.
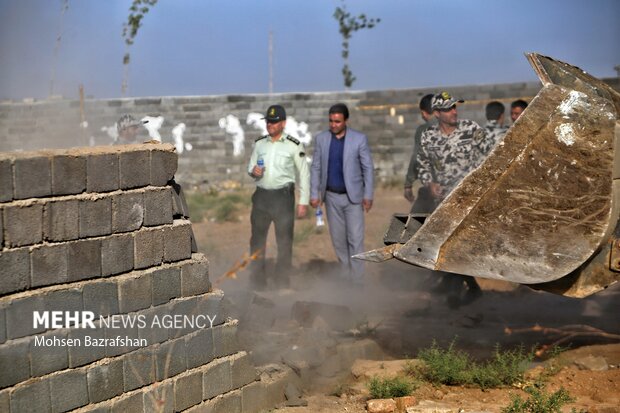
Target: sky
[[208, 47]]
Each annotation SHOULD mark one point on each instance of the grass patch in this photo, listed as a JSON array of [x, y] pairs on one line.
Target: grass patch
[[390, 387], [539, 401], [303, 231], [451, 366], [218, 206]]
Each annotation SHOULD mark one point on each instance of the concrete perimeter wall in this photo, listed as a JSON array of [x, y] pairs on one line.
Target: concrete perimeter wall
[[98, 230]]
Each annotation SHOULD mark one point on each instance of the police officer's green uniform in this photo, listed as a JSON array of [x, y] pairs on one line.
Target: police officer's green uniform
[[274, 201]]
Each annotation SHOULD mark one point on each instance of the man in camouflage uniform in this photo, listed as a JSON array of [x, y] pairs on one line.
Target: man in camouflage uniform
[[448, 152], [494, 127]]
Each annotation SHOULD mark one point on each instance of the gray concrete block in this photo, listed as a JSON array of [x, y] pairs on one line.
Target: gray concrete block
[[166, 285], [23, 225], [159, 399], [187, 391], [2, 325], [61, 220], [83, 260], [134, 294], [117, 254], [228, 403], [68, 390], [132, 403], [127, 332], [14, 270], [199, 348], [95, 217], [15, 363], [82, 355], [63, 300], [5, 401], [195, 276], [149, 248], [68, 174], [32, 397], [127, 211], [211, 306], [49, 265], [134, 169], [217, 379], [163, 167], [6, 180], [138, 369], [105, 381], [101, 298], [19, 316], [47, 359], [1, 229], [242, 370], [32, 177], [225, 340], [170, 359], [158, 207], [102, 173], [178, 241], [181, 309], [157, 332]]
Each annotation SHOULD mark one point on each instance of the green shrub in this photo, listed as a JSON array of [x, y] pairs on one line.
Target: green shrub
[[449, 366], [390, 387], [539, 401]]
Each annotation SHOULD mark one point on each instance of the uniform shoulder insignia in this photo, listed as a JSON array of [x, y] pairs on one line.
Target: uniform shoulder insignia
[[295, 141], [259, 138]]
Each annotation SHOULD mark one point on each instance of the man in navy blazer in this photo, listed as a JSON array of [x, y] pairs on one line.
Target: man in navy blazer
[[341, 176]]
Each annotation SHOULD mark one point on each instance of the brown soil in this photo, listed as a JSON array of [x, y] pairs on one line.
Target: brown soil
[[406, 316]]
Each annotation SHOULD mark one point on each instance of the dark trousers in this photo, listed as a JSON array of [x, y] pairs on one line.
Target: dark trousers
[[277, 206], [424, 202]]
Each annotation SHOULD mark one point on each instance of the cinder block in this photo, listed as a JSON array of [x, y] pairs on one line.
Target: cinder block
[[217, 379], [2, 325], [20, 316], [5, 401], [170, 359], [163, 167], [32, 397], [149, 248], [127, 211], [134, 294], [210, 305], [68, 174], [187, 391], [47, 359], [6, 180], [229, 403], [166, 285], [157, 331], [242, 370], [68, 390], [178, 241], [117, 253], [19, 368], [159, 398], [95, 217], [158, 207], [82, 355], [225, 340], [105, 381], [102, 173], [131, 403], [49, 265], [63, 300], [183, 308], [23, 225], [32, 177], [138, 369], [14, 270], [101, 298], [60, 220], [1, 229], [199, 348], [195, 276], [134, 169], [83, 260], [122, 332]]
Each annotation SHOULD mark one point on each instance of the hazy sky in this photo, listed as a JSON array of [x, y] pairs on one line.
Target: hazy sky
[[206, 47]]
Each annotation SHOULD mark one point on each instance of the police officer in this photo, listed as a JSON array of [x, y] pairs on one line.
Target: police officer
[[449, 150], [494, 127], [275, 160]]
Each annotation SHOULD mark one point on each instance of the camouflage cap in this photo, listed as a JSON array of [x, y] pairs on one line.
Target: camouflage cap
[[127, 121], [443, 100]]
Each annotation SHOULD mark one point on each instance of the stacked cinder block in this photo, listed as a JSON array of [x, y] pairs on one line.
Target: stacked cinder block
[[103, 305]]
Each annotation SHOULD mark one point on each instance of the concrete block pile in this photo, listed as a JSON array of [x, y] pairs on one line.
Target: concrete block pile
[[103, 305]]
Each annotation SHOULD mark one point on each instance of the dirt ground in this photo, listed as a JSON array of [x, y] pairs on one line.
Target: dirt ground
[[398, 310]]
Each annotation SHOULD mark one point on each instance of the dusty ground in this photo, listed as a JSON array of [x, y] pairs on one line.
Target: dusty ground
[[405, 316]]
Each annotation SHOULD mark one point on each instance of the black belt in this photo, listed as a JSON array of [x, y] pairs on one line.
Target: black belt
[[337, 191], [287, 188]]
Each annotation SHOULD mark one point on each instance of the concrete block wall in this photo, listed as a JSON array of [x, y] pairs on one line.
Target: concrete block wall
[[95, 231]]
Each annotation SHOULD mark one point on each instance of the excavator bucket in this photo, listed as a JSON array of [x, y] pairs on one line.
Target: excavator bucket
[[542, 208]]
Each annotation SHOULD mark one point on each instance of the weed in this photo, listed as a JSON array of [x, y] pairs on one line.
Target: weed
[[390, 387], [215, 205], [539, 401], [449, 366], [303, 232]]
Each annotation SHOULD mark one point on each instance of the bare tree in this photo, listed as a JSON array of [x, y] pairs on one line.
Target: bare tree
[[63, 10]]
